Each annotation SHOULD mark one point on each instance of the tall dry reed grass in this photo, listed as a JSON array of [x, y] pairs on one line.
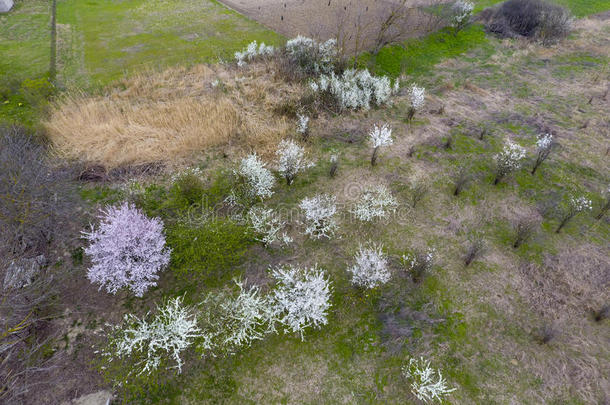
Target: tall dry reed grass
[[175, 114]]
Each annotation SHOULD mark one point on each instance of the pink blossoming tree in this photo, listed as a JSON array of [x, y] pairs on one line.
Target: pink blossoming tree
[[127, 250]]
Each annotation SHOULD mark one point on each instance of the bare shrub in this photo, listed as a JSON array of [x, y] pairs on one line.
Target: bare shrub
[[417, 192], [546, 333], [474, 249], [523, 229], [25, 336], [602, 313], [536, 19], [399, 19], [31, 193], [334, 164], [418, 263], [460, 179], [605, 206]]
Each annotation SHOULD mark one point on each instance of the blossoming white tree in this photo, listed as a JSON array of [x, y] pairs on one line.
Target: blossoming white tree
[[378, 137], [303, 125], [259, 179], [334, 164], [268, 226], [417, 99], [508, 160], [374, 203], [371, 267], [252, 51], [320, 213], [291, 160], [355, 89], [157, 341], [230, 320], [310, 56], [461, 12], [574, 206], [427, 384], [418, 263], [302, 297], [127, 250], [544, 146]]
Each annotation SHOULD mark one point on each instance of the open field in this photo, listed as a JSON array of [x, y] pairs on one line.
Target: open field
[[101, 42], [520, 324], [353, 23]]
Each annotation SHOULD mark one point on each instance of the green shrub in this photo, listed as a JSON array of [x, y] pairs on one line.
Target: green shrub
[[209, 250], [186, 195]]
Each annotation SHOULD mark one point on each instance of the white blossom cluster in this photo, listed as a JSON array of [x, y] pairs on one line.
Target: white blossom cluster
[[462, 11], [421, 262], [268, 226], [374, 203], [578, 204], [312, 56], [544, 142], [191, 171], [248, 317], [417, 97], [510, 158], [356, 89], [427, 384], [371, 267], [381, 136], [169, 333], [302, 297], [303, 124], [260, 180], [231, 321], [291, 160], [320, 213], [252, 51]]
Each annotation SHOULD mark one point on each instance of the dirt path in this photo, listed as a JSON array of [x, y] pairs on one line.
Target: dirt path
[[354, 23]]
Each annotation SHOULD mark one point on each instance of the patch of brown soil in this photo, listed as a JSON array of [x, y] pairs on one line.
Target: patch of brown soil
[[353, 22]]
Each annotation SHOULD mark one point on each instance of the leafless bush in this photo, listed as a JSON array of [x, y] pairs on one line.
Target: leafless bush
[[604, 208], [401, 18], [460, 179], [536, 19], [31, 193], [25, 350], [418, 263], [418, 191], [602, 314], [546, 333], [447, 142], [334, 165], [523, 229], [474, 249]]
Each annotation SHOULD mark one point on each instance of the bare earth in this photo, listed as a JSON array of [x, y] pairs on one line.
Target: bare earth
[[325, 19]]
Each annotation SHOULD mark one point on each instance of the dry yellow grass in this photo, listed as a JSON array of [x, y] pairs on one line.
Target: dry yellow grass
[[171, 115]]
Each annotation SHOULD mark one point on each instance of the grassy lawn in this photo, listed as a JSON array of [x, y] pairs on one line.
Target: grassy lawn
[[417, 57], [100, 41], [105, 39]]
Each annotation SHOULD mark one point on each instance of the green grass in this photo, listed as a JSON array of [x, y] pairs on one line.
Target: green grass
[[24, 55], [98, 42], [417, 57], [107, 39]]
